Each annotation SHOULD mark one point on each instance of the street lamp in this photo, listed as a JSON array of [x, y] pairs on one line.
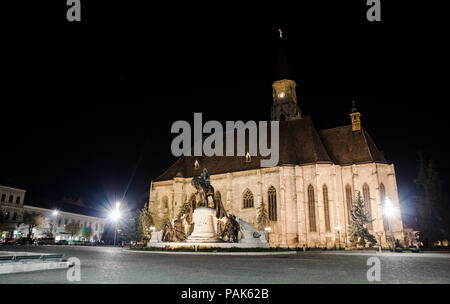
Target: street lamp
[[55, 215], [115, 216], [268, 229], [380, 234], [389, 211], [338, 229]]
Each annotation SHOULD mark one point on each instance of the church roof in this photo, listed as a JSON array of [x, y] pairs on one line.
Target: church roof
[[300, 144], [347, 147]]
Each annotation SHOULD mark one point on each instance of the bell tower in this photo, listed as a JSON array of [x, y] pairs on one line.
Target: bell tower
[[355, 117], [284, 94]]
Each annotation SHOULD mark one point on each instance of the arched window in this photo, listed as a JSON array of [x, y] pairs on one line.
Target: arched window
[[348, 197], [311, 209], [247, 199], [165, 202], [366, 198], [326, 208], [383, 201], [272, 199]]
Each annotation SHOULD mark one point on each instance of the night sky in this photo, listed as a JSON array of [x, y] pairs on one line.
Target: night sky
[[86, 108]]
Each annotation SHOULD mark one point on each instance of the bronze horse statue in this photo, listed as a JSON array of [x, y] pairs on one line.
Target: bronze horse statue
[[207, 190], [204, 190]]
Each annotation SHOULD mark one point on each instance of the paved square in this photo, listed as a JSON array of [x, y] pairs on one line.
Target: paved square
[[118, 265]]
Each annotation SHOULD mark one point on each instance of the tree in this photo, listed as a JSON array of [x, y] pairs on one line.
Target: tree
[[131, 228], [86, 233], [32, 220], [359, 234], [145, 222], [433, 207], [262, 219], [72, 228]]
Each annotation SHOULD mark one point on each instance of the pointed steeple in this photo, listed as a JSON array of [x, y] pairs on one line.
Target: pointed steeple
[[282, 65], [284, 89]]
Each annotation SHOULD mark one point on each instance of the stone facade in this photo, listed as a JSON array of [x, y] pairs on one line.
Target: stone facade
[[56, 224], [11, 203], [292, 228], [12, 209]]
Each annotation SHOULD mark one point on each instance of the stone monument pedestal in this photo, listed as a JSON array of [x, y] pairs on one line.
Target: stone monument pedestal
[[204, 226]]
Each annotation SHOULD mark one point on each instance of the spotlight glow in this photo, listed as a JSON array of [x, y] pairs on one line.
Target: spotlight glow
[[389, 209], [115, 215]]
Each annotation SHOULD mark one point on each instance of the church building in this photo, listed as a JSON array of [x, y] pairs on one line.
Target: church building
[[309, 194]]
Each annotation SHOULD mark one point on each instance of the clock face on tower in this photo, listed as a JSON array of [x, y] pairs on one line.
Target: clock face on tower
[[281, 95]]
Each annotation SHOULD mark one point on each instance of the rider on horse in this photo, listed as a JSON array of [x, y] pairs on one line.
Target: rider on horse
[[205, 177]]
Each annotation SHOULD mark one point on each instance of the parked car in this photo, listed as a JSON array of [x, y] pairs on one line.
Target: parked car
[[3, 241], [9, 241], [98, 243], [46, 241], [62, 242], [72, 242], [25, 241]]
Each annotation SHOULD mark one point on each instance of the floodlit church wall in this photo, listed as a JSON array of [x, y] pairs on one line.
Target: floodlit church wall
[[291, 183]]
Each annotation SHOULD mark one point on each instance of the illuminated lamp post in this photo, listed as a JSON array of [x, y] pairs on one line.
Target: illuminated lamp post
[[389, 211], [115, 216]]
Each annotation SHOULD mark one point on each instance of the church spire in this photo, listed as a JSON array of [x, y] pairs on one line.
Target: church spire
[[282, 66], [284, 88], [355, 117]]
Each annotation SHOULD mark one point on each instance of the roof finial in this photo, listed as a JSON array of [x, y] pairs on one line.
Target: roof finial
[[354, 108], [281, 33]]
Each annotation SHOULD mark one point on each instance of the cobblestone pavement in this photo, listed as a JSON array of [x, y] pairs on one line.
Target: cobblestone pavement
[[119, 265]]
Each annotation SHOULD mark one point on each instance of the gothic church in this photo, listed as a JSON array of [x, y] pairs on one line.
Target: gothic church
[[309, 194]]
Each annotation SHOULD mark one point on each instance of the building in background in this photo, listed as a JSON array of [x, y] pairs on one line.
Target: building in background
[[13, 209], [309, 194]]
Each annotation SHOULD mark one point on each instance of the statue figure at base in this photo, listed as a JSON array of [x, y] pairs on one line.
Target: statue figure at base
[[230, 232], [175, 232]]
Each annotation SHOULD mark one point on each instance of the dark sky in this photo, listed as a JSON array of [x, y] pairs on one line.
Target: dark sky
[[86, 108]]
